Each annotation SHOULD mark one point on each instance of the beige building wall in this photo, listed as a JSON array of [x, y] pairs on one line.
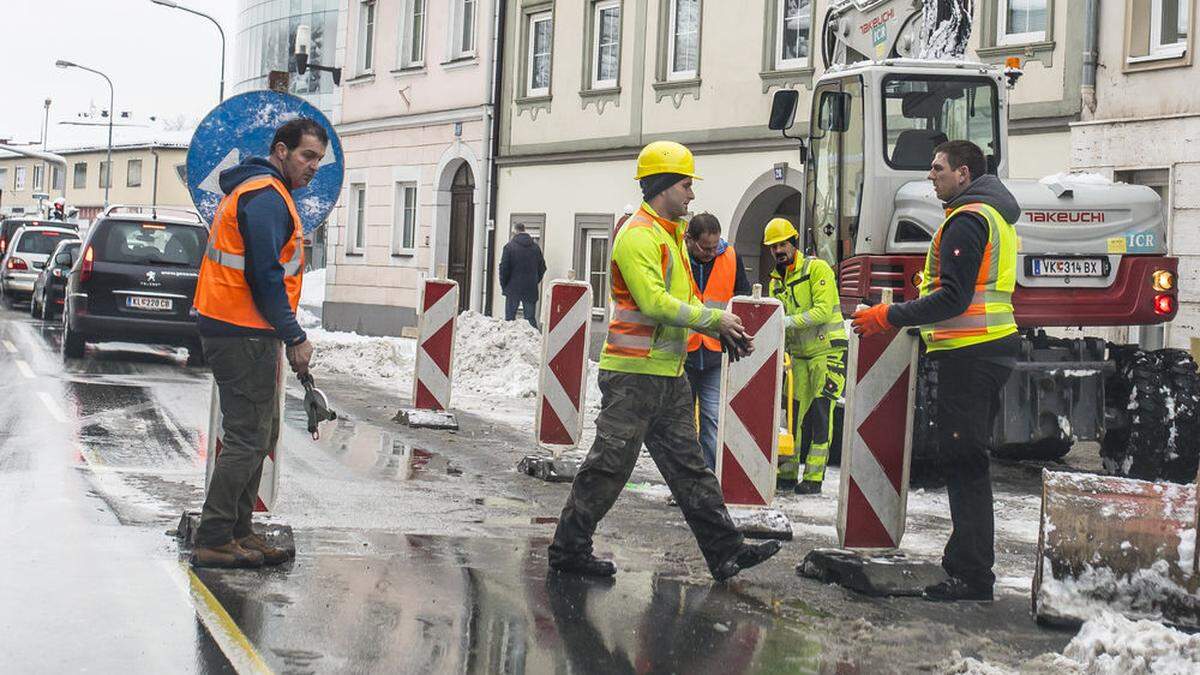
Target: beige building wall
[[412, 121], [1146, 129]]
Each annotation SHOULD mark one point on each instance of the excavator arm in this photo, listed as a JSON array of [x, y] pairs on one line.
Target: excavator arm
[[867, 30]]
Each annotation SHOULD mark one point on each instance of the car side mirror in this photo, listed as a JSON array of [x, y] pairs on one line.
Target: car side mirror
[[783, 109], [64, 259]]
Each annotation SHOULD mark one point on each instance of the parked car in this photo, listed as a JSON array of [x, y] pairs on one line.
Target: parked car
[[11, 225], [134, 282], [48, 290], [28, 252]]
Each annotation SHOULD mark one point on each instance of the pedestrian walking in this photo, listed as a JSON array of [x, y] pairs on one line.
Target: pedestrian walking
[[522, 267], [645, 396], [816, 342], [717, 276], [246, 299], [965, 312]]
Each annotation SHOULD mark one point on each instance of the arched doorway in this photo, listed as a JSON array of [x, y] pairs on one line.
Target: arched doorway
[[750, 221], [462, 232]]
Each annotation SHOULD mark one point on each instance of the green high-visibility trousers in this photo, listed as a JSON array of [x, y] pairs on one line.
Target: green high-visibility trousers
[[817, 384]]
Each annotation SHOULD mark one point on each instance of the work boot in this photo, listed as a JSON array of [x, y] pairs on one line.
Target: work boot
[[226, 555], [783, 484], [954, 589], [749, 556], [586, 565], [272, 555], [808, 487]]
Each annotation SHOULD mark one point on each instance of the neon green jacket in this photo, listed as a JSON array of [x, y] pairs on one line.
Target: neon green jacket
[[814, 311], [653, 301]]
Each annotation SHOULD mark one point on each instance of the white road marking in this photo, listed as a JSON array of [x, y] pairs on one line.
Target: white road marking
[[12, 349], [55, 410], [26, 371]]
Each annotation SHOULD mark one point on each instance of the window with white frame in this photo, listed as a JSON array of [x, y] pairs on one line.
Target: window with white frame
[[357, 227], [19, 178], [683, 40], [133, 173], [412, 46], [39, 177], [57, 179], [464, 28], [105, 174], [606, 44], [541, 38], [1168, 27], [793, 32], [1021, 21], [80, 179], [366, 35], [404, 218], [595, 254]]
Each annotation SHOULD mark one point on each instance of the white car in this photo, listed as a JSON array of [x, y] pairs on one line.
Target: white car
[[26, 256]]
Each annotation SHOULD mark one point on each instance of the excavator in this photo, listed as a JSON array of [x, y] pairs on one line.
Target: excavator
[[1091, 254]]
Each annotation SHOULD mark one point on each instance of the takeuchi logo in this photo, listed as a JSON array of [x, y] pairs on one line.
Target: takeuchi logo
[[879, 20], [1065, 216]]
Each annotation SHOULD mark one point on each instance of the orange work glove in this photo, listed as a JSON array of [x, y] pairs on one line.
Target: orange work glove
[[871, 321]]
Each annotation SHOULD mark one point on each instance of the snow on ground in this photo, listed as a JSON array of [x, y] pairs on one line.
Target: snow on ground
[[312, 293]]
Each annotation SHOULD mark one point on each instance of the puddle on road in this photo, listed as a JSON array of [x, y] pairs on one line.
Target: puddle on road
[[469, 605]]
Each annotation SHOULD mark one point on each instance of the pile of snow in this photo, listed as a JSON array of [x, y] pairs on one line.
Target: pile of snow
[[378, 360], [1068, 178], [492, 356], [312, 293], [1141, 594]]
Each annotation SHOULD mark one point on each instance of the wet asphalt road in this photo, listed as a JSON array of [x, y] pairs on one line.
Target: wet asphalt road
[[417, 552]]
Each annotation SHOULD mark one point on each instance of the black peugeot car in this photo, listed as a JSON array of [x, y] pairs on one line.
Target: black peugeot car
[[134, 282], [48, 291]]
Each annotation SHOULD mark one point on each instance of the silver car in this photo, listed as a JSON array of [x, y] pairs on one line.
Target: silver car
[[26, 256]]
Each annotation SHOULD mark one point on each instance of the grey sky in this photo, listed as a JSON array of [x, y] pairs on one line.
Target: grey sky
[[162, 62]]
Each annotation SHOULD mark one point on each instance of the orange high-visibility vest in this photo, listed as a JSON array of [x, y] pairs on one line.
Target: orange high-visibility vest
[[221, 291], [716, 294]]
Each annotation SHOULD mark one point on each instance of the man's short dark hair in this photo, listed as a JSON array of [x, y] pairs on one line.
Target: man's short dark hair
[[519, 227], [702, 224], [964, 153], [293, 130]]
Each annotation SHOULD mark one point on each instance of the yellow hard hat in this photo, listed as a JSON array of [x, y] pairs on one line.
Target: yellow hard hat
[[778, 229], [665, 157]]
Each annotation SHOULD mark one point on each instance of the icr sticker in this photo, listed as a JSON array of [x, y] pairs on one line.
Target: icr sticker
[[1116, 244], [1141, 242]]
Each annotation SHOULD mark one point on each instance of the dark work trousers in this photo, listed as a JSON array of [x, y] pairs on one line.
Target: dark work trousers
[[246, 370], [528, 307], [657, 410], [968, 397]]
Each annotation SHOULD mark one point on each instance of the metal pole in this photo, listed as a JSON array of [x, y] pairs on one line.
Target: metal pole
[[174, 5], [111, 113], [46, 177], [154, 190]]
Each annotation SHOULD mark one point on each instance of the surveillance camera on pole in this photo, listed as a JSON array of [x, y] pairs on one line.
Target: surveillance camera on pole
[[303, 50]]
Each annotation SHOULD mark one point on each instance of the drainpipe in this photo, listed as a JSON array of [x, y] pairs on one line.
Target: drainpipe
[[1091, 40], [491, 139]]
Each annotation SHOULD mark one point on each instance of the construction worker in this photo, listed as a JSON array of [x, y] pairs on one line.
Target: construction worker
[[816, 343], [717, 276], [645, 396], [966, 316], [246, 299]]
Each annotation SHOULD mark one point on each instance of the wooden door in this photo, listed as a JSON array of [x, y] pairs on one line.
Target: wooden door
[[462, 233]]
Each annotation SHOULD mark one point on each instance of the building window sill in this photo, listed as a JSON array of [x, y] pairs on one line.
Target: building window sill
[[415, 69], [1164, 59], [460, 62], [404, 253], [354, 254], [600, 98], [362, 78], [1042, 52], [676, 90], [786, 79], [533, 105]]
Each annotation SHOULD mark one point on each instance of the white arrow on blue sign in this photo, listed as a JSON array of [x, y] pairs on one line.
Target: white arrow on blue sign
[[243, 126]]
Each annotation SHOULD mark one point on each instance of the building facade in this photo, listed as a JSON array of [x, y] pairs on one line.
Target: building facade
[[142, 173], [1143, 127], [416, 127]]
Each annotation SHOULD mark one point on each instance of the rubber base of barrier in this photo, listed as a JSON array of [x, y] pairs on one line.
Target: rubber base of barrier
[[547, 468], [427, 419], [875, 576], [760, 523], [276, 534]]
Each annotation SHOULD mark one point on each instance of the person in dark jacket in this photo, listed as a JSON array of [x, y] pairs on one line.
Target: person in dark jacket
[[718, 274], [966, 318], [522, 267]]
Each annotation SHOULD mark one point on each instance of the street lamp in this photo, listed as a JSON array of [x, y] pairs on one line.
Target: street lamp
[[112, 111], [174, 5]]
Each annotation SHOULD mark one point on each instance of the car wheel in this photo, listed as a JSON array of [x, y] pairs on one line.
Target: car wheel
[[9, 302], [72, 341], [33, 307]]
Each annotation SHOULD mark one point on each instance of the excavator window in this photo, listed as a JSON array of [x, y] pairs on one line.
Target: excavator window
[[834, 177], [919, 112]]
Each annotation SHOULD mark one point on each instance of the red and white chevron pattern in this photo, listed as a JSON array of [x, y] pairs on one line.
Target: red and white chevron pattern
[[269, 484], [435, 344], [748, 424], [562, 380], [873, 495]]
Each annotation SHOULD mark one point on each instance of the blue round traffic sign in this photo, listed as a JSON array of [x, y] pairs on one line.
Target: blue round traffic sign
[[243, 126]]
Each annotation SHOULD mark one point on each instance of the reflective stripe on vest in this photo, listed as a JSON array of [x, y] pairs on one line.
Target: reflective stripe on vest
[[716, 295], [990, 314], [222, 292]]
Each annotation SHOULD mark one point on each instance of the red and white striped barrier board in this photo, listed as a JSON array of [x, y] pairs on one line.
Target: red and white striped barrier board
[[877, 433], [748, 424], [562, 379], [269, 484], [435, 344]]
